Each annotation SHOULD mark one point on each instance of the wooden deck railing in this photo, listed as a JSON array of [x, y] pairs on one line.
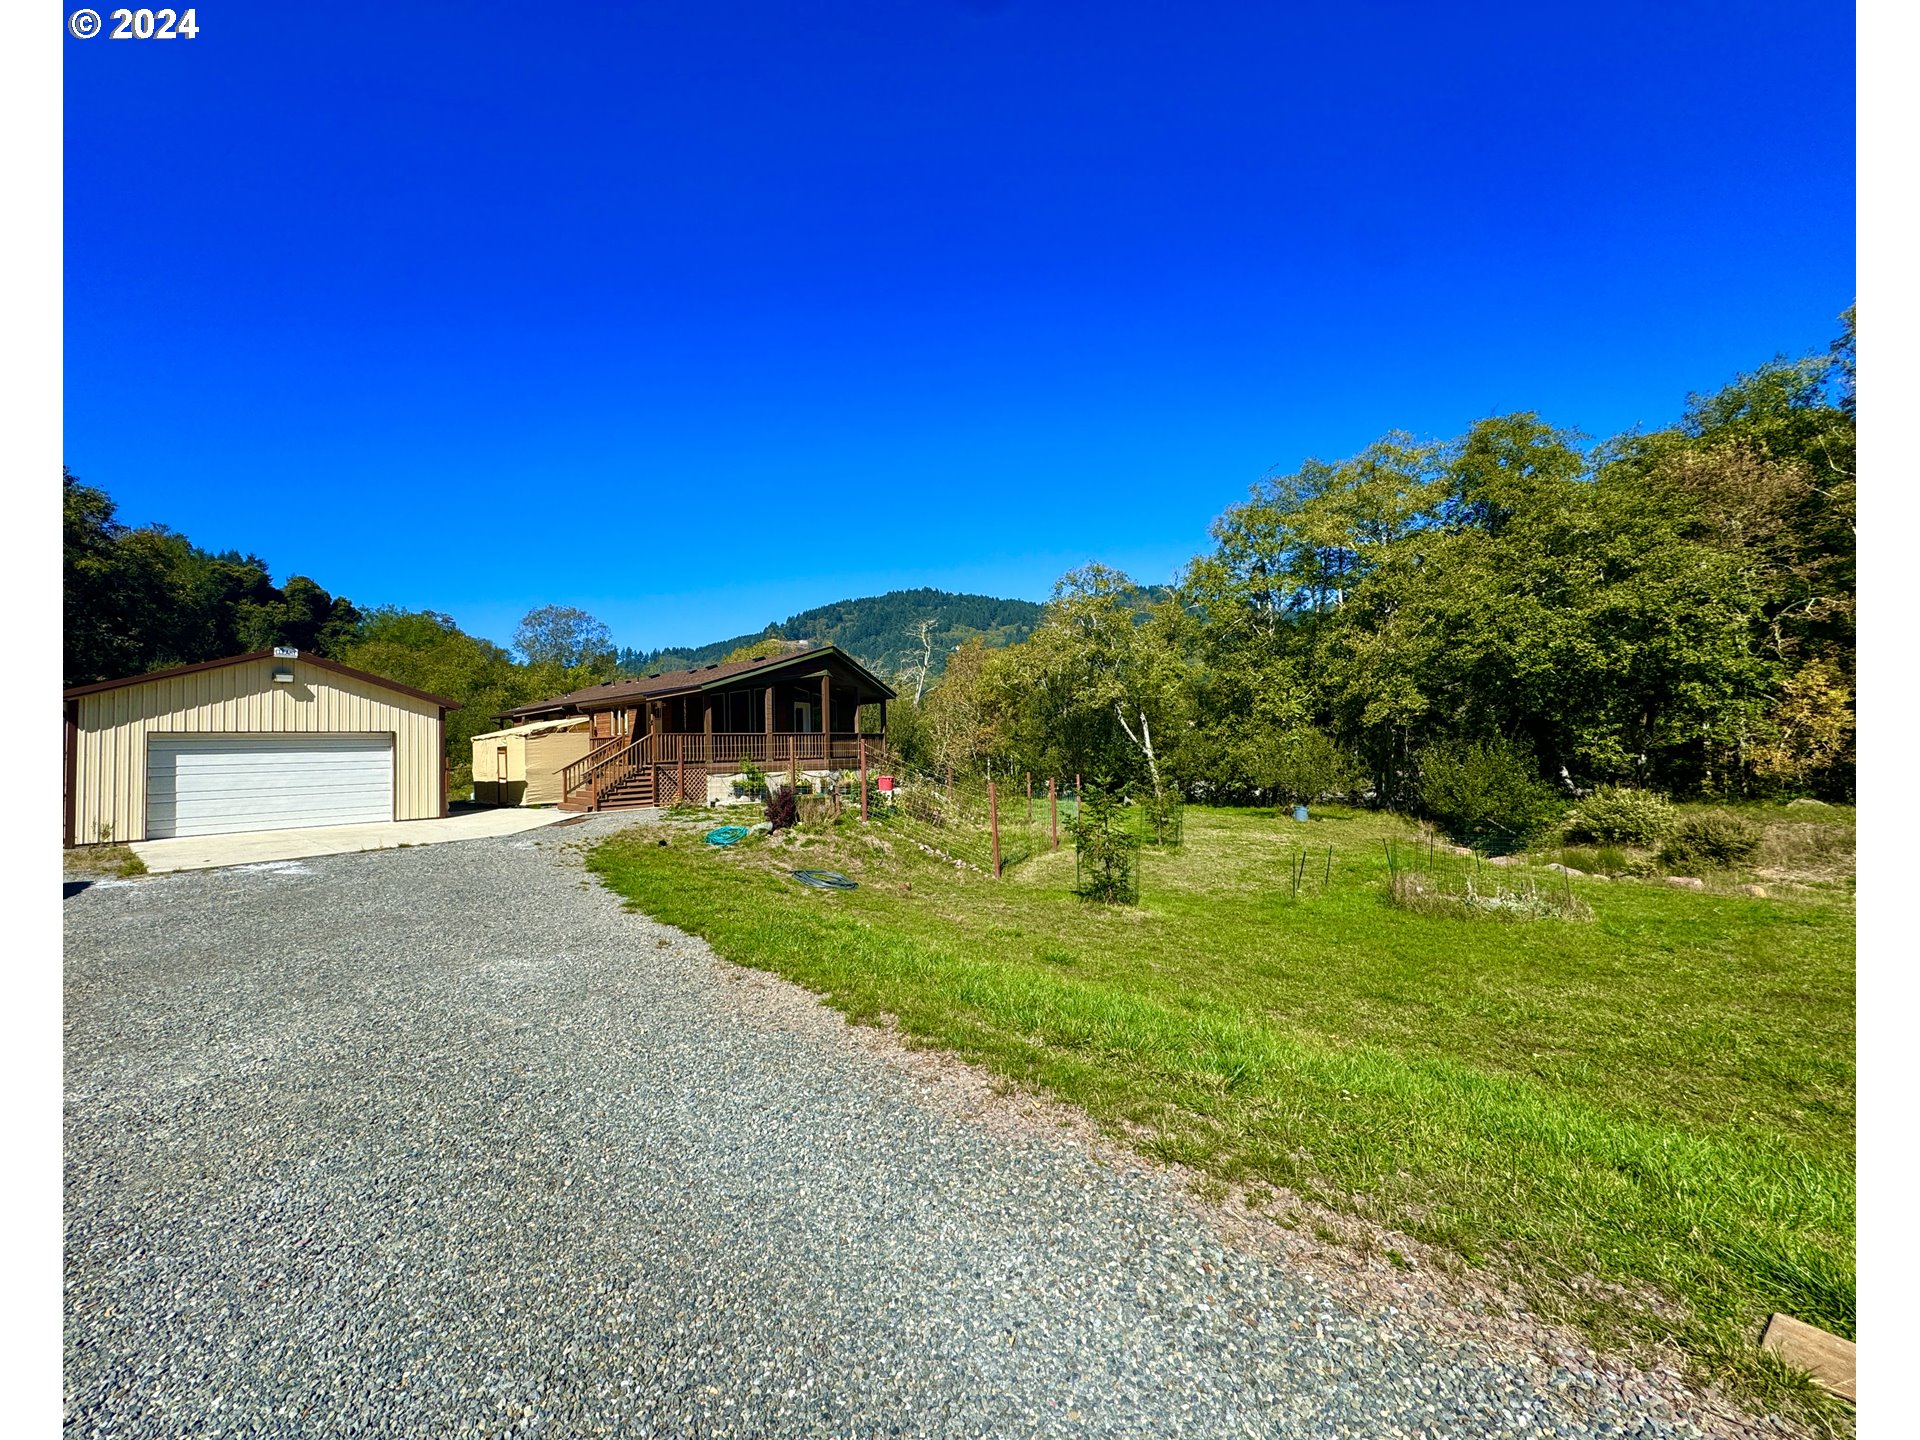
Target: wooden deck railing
[[602, 769], [772, 753]]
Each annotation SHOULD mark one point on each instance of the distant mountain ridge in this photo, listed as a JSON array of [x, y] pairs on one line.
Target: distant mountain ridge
[[877, 630]]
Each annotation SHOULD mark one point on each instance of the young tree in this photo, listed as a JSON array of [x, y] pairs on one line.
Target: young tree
[[962, 716], [1100, 678]]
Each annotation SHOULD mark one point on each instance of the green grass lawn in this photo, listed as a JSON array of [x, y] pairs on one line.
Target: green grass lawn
[[1660, 1100]]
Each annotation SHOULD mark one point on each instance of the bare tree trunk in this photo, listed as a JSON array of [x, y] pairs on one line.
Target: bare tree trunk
[[923, 632], [1144, 740]]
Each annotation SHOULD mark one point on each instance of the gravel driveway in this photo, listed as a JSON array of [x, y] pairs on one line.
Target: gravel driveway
[[443, 1142]]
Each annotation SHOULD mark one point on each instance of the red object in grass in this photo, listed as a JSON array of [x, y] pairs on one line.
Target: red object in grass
[[885, 782]]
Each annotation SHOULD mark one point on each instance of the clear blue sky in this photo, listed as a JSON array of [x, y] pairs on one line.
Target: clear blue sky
[[699, 314]]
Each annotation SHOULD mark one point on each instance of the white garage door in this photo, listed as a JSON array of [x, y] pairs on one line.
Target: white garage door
[[214, 784]]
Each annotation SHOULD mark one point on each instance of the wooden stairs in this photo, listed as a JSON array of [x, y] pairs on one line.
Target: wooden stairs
[[635, 791], [628, 775]]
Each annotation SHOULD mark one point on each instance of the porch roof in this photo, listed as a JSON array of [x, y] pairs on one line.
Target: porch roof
[[666, 684]]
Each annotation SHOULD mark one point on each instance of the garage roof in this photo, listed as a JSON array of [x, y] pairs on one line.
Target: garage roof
[[305, 658]]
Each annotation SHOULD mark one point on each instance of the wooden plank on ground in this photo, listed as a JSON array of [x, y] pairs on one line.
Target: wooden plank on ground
[[1826, 1357]]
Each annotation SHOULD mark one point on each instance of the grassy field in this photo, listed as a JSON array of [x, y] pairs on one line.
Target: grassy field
[[1645, 1119]]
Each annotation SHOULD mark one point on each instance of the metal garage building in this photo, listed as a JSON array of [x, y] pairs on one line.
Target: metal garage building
[[272, 740]]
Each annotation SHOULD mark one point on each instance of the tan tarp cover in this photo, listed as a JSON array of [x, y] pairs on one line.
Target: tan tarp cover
[[535, 756]]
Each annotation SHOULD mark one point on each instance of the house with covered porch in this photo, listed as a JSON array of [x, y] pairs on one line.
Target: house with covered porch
[[684, 736]]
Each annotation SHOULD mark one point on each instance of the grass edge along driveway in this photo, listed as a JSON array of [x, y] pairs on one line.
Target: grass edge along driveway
[[1645, 1120]]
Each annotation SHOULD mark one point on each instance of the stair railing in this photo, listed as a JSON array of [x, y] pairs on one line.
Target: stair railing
[[606, 767]]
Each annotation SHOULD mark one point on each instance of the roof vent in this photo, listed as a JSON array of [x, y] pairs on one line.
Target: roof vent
[[653, 674], [283, 675], [715, 665]]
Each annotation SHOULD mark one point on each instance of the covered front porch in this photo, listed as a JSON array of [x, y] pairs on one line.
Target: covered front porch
[[662, 749]]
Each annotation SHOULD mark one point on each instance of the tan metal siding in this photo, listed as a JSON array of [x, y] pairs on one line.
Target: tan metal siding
[[110, 769]]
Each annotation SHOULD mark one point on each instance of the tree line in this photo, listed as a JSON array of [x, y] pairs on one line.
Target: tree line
[[144, 598], [1670, 610]]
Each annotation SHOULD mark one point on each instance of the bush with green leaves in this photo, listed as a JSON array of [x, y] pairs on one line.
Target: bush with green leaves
[[1617, 815], [1305, 765], [1710, 839], [1162, 818], [1487, 793]]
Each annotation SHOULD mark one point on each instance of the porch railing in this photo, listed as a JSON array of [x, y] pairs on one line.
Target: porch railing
[[770, 752], [603, 768]]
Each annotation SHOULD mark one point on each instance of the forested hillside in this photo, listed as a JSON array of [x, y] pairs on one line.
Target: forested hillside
[[883, 632], [143, 599]]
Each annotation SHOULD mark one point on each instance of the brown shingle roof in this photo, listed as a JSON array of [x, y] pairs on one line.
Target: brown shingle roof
[[701, 677]]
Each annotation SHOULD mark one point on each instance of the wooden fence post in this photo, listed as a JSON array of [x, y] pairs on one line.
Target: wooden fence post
[[993, 820], [1029, 797], [949, 790], [863, 779], [681, 782], [1053, 809]]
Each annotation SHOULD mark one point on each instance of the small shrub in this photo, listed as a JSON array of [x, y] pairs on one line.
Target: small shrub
[[1487, 793], [1305, 765], [1617, 815], [1710, 839], [783, 808], [1104, 868], [1163, 818], [817, 809]]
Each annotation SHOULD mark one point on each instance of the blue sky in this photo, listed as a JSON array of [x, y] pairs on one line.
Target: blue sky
[[697, 315]]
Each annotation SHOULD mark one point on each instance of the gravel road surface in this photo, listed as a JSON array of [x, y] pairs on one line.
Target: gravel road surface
[[442, 1142]]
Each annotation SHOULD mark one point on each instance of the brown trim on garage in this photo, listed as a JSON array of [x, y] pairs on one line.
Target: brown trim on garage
[[68, 792], [303, 657], [444, 762]]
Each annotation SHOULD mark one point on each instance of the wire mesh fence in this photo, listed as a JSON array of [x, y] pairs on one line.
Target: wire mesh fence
[[992, 822]]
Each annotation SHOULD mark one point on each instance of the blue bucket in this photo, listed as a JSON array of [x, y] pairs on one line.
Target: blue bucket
[[1300, 812]]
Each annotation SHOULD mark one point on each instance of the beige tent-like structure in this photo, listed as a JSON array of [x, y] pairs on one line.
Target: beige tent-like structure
[[522, 766]]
